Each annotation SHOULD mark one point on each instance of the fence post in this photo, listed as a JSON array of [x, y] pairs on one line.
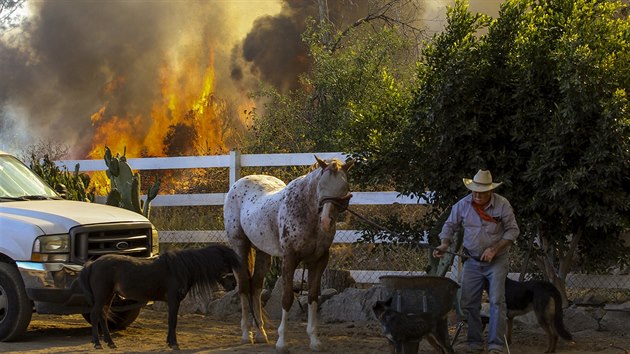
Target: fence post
[[235, 166]]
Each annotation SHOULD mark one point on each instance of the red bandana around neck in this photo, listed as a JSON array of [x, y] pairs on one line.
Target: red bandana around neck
[[482, 213]]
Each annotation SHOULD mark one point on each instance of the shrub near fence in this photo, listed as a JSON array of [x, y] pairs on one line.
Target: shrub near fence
[[187, 220]]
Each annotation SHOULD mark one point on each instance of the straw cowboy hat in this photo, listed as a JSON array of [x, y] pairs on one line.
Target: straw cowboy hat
[[482, 182]]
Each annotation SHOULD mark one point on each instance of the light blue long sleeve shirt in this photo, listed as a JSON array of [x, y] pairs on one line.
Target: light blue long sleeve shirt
[[478, 233]]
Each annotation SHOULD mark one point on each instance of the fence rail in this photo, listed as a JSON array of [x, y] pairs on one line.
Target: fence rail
[[234, 161]]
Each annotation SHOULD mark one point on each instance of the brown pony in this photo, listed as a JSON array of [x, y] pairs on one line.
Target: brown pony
[[264, 217]]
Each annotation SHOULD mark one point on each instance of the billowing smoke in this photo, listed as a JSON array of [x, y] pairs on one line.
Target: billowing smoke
[[76, 57], [77, 65], [274, 51]]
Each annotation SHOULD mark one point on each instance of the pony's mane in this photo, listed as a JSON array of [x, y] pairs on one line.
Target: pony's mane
[[200, 268]]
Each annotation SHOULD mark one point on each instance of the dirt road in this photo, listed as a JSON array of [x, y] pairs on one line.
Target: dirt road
[[201, 334]]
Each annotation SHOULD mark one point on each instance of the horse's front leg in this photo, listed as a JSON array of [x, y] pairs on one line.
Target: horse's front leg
[[173, 309], [288, 269], [315, 271], [261, 267]]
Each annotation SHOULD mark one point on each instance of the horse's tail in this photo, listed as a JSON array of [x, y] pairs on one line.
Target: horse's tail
[[84, 283]]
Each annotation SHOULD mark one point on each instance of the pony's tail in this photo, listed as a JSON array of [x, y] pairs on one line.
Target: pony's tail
[[84, 283]]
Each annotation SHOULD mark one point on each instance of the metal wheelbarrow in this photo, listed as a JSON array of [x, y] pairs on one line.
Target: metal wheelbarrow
[[429, 296]]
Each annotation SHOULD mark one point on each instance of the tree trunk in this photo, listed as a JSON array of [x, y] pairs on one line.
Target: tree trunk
[[337, 279], [546, 263]]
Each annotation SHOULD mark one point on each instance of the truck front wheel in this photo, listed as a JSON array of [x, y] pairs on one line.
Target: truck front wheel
[[15, 307]]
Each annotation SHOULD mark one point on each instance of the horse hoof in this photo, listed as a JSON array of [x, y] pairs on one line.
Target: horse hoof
[[282, 350], [317, 346], [112, 345], [98, 346], [261, 339], [175, 347]]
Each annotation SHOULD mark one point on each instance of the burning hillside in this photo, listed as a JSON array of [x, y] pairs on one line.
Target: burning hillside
[[162, 78]]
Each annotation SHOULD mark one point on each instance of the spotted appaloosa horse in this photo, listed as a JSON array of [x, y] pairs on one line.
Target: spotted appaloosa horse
[[264, 217]]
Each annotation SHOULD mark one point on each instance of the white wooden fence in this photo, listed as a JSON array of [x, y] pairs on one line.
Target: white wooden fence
[[234, 161]]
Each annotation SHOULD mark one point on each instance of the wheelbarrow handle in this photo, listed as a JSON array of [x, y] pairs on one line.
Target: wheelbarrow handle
[[426, 245]]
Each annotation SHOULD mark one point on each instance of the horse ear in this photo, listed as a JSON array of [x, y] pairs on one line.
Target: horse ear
[[321, 162], [346, 166]]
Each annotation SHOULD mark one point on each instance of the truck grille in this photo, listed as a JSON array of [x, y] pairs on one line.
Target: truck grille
[[91, 242]]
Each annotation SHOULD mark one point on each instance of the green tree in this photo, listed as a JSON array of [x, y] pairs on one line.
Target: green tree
[[355, 71], [539, 96]]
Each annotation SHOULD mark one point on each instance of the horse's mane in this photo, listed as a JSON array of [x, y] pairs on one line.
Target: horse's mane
[[334, 164], [201, 268]]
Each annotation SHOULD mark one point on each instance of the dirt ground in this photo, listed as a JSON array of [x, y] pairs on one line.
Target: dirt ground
[[201, 334]]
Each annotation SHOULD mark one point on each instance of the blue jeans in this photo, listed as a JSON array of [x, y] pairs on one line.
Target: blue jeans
[[475, 276]]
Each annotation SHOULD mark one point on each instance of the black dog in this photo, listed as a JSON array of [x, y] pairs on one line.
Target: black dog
[[404, 331], [541, 297]]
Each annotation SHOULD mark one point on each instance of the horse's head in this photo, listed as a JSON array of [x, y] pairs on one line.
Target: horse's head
[[333, 191]]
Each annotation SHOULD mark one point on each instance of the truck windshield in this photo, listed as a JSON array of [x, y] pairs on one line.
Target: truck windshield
[[18, 182]]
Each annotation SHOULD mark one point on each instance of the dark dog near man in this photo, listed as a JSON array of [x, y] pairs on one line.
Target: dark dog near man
[[404, 331], [541, 297]]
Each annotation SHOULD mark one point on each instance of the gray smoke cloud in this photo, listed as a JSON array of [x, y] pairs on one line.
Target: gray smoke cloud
[[74, 57], [274, 51]]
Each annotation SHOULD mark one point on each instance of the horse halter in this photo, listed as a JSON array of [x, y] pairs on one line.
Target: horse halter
[[340, 202]]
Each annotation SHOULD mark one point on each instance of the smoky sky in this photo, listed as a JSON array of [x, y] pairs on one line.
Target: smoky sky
[[73, 57], [274, 46], [57, 74]]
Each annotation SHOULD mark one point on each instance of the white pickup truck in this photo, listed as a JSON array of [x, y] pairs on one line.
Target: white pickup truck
[[44, 242]]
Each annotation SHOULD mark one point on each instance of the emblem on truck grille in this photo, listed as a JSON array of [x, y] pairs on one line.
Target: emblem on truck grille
[[122, 245]]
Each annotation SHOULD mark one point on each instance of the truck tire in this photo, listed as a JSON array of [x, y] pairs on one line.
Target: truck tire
[[15, 307], [120, 319]]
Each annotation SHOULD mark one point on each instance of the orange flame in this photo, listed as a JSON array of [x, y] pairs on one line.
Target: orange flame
[[186, 119]]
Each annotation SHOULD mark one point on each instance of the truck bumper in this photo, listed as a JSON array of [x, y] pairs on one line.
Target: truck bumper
[[54, 288]]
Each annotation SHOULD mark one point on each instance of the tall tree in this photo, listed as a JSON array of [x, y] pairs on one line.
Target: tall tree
[[355, 70], [539, 96]]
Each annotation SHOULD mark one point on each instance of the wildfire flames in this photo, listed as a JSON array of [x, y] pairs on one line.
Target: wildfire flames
[[186, 118]]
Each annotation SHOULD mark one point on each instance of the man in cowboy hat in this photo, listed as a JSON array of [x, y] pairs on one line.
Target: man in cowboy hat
[[489, 230]]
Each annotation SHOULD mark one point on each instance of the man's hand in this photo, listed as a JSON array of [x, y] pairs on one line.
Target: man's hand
[[438, 252], [488, 254]]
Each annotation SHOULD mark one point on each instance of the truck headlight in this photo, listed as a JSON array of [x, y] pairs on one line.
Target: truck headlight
[[155, 243], [53, 248]]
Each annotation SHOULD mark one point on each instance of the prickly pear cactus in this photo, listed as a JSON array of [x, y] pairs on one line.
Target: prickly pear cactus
[[125, 184]]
